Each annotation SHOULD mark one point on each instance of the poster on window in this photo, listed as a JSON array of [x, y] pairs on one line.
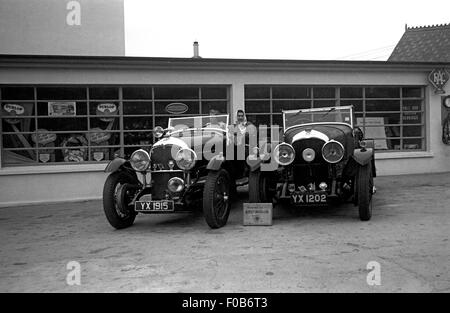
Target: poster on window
[[374, 129], [62, 108]]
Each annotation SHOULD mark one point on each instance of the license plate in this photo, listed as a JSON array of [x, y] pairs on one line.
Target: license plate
[[154, 206], [309, 198]]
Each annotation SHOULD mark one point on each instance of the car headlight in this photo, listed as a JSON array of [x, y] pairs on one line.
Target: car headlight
[[309, 155], [333, 151], [175, 185], [284, 154], [186, 159], [140, 160], [158, 132]]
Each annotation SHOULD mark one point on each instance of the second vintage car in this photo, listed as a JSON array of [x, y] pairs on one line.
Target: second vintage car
[[323, 157], [184, 170]]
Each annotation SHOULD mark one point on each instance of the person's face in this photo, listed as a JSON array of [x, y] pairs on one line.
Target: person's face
[[240, 117], [213, 120]]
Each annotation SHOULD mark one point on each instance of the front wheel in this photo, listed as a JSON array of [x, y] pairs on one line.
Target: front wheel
[[258, 191], [364, 192], [117, 194], [216, 201]]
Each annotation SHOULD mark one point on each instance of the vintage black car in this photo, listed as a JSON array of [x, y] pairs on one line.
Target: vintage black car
[[322, 157], [184, 170]]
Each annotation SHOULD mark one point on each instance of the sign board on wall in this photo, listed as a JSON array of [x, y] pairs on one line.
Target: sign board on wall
[[62, 27], [438, 78]]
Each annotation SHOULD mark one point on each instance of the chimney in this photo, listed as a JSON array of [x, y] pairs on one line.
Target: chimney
[[196, 54]]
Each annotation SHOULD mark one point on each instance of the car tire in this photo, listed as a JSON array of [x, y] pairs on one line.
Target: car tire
[[257, 192], [364, 192], [115, 217], [216, 198]]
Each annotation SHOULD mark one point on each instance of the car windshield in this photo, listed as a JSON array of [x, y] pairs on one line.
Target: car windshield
[[218, 122], [319, 115]]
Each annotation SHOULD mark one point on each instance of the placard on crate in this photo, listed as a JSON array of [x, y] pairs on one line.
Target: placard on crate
[[257, 214]]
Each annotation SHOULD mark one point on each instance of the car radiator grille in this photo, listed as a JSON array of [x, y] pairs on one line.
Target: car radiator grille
[[315, 172], [159, 182], [302, 144], [160, 157]]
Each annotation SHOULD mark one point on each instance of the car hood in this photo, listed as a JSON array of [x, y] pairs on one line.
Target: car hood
[[339, 132]]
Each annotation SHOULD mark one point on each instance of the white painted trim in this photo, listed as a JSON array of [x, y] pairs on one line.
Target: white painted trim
[[402, 155], [49, 169], [41, 202], [310, 134]]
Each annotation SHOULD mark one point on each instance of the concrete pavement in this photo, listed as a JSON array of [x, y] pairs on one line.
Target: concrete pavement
[[312, 250]]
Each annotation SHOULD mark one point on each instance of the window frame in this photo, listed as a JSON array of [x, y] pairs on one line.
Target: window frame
[[423, 110], [88, 102]]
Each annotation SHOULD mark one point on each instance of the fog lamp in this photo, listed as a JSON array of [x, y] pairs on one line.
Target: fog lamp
[[308, 155], [175, 185], [323, 186]]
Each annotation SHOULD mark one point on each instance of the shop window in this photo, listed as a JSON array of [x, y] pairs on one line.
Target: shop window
[[17, 93], [393, 116], [383, 105], [56, 124], [351, 92], [257, 92], [382, 92], [176, 93], [412, 92], [220, 106], [324, 92], [280, 105], [103, 93], [137, 108], [257, 106], [177, 107], [291, 92], [61, 93], [258, 119], [357, 104], [218, 93], [324, 103], [138, 93], [137, 123]]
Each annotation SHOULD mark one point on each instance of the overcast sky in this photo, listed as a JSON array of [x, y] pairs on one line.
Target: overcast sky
[[280, 29]]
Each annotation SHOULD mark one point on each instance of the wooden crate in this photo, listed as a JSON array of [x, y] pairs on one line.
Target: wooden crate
[[257, 214]]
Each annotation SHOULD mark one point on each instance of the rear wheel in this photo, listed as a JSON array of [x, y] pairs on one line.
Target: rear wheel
[[364, 189], [216, 198], [117, 195]]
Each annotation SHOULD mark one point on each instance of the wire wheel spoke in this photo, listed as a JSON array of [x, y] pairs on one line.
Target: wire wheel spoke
[[221, 197]]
